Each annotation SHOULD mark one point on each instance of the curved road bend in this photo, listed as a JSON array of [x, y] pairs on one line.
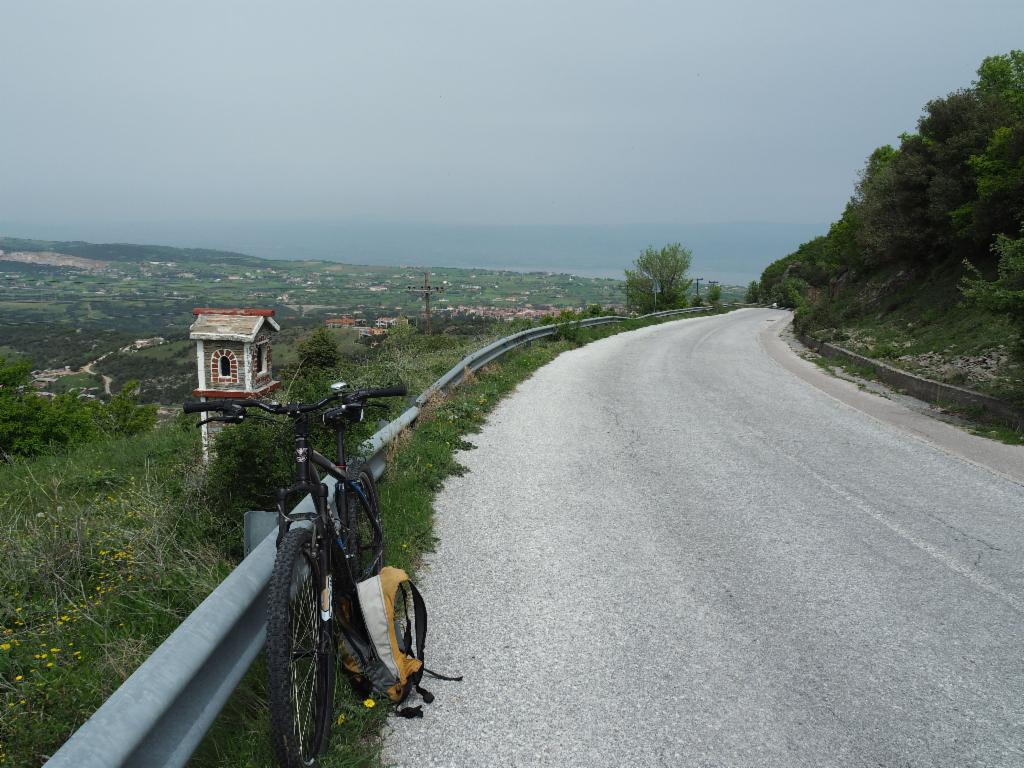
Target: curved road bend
[[671, 551]]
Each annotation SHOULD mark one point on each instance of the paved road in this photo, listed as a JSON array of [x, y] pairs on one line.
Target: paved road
[[670, 550]]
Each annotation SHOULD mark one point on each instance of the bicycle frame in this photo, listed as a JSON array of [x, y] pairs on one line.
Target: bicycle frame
[[308, 481]]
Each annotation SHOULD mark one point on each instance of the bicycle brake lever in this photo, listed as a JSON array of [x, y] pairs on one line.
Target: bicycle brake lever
[[225, 419]]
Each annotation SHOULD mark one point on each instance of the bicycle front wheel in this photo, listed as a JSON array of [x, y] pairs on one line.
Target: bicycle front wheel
[[300, 654]]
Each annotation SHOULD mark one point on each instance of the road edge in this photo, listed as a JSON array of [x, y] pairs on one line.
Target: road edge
[[1006, 461]]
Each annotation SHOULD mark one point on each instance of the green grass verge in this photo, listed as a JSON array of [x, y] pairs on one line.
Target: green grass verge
[[106, 550]]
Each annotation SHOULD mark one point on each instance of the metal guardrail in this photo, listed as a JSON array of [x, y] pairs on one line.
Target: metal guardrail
[[163, 710]]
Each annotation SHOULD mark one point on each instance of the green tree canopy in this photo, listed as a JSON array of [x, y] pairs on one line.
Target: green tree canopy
[[319, 350], [659, 270]]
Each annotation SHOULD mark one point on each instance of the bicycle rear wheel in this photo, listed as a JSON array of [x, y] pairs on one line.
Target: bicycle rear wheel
[[300, 654], [365, 524]]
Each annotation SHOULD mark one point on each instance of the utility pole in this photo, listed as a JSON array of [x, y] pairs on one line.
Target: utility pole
[[425, 291], [698, 279]]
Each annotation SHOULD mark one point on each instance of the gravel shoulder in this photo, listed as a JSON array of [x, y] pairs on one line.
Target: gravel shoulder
[[670, 550]]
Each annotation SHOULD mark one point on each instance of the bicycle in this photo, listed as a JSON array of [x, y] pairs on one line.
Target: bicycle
[[322, 553]]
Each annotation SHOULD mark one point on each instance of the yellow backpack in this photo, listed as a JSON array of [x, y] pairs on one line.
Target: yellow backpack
[[378, 652]]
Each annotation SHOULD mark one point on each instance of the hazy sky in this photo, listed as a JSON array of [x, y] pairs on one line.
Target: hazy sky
[[578, 112]]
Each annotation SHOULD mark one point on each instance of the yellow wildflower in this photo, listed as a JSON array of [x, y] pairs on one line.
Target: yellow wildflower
[[18, 678], [5, 646], [341, 719], [49, 664], [369, 703]]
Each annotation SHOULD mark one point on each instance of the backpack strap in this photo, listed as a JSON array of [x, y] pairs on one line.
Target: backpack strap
[[436, 676], [420, 610]]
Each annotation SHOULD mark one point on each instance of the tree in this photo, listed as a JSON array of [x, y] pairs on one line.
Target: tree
[[319, 350], [753, 292], [1001, 80], [1005, 294], [658, 278], [999, 207], [14, 374], [790, 293], [714, 293], [123, 416]]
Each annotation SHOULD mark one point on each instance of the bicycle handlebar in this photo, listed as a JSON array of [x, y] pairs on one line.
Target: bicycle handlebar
[[237, 407], [364, 394]]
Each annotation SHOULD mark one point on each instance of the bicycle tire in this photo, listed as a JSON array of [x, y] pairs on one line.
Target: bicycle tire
[[300, 654], [365, 524]]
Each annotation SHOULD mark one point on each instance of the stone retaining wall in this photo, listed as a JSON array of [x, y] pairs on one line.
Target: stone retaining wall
[[922, 388]]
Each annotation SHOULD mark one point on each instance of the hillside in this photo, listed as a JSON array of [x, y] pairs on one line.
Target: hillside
[[924, 267]]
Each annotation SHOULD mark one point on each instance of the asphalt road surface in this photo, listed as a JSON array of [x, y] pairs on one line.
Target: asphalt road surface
[[672, 550]]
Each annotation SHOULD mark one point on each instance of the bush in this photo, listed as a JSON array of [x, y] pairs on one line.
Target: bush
[[791, 293], [31, 425], [319, 350], [753, 292]]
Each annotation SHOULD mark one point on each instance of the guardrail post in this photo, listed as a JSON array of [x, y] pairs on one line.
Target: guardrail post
[[258, 525]]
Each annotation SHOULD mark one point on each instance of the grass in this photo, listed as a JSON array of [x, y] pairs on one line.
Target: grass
[[921, 316], [77, 381], [832, 365], [112, 545], [107, 549], [1000, 433]]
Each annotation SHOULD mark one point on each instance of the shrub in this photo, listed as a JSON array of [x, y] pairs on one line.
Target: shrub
[[31, 425], [319, 350], [753, 292], [791, 293]]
